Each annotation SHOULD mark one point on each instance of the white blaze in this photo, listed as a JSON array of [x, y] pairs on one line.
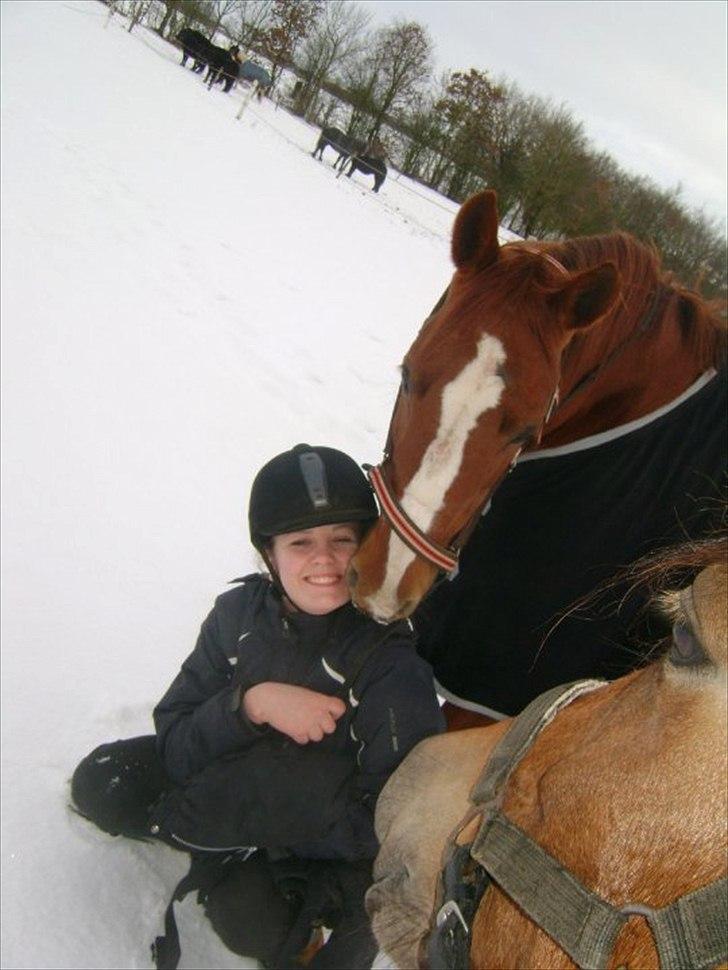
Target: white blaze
[[475, 390]]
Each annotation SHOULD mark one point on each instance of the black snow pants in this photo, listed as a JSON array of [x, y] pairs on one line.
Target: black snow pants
[[260, 908]]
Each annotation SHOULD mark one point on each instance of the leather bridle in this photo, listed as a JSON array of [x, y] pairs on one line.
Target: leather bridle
[[445, 558]]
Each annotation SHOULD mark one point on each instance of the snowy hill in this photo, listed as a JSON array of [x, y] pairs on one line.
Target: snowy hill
[[184, 295]]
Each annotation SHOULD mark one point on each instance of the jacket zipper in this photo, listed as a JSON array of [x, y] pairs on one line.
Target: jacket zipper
[[206, 848]]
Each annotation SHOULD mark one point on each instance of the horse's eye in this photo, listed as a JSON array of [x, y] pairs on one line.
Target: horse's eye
[[405, 383], [685, 649], [524, 437]]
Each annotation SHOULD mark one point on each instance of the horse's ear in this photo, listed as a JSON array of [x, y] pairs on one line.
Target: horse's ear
[[475, 236], [590, 295]]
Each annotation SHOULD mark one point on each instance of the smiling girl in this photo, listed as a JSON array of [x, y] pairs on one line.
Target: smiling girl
[[282, 726]]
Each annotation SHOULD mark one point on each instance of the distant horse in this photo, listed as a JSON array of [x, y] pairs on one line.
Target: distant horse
[[369, 165], [597, 369], [590, 832], [344, 144], [196, 46], [223, 66], [255, 74]]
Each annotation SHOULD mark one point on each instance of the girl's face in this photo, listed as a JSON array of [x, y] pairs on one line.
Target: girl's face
[[311, 565]]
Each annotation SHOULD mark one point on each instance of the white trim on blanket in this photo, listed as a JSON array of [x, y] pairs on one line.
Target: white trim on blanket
[[467, 705], [593, 441]]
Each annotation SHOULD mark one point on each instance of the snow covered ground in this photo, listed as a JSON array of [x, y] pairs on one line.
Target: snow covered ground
[[184, 295]]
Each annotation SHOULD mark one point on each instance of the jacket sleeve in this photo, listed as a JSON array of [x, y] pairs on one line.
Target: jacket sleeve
[[396, 708], [195, 720]]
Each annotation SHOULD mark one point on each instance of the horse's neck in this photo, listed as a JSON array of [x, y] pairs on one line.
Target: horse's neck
[[611, 378]]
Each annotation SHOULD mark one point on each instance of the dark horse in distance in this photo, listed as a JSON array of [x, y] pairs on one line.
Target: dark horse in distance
[[344, 144], [369, 165], [222, 65]]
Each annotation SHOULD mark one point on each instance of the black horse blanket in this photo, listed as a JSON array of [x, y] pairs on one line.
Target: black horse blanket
[[563, 522]]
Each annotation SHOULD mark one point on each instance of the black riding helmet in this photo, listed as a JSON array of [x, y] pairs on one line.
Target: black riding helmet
[[306, 487]]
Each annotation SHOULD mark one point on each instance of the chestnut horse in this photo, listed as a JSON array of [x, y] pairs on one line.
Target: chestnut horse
[[595, 836], [594, 373]]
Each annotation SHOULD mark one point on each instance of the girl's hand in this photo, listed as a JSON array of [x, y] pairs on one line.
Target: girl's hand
[[303, 714]]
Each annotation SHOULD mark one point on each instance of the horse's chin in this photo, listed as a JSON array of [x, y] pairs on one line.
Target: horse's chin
[[390, 600], [381, 612]]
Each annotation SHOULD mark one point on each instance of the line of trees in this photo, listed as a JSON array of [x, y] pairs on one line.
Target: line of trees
[[457, 133]]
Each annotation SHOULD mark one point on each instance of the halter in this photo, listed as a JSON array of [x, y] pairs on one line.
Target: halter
[[446, 557], [690, 932]]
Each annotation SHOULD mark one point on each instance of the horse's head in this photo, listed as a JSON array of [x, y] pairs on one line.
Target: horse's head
[[624, 787], [476, 387]]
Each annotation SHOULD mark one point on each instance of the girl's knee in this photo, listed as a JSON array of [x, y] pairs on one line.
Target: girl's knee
[[116, 783]]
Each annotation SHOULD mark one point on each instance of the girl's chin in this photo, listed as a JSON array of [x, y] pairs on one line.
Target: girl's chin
[[322, 599]]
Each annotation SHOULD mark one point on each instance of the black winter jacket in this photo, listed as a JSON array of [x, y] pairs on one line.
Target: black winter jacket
[[247, 639]]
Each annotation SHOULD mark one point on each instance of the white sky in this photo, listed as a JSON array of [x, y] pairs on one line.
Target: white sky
[[646, 77]]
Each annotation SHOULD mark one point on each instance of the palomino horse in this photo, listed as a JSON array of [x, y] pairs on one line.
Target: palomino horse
[[595, 836], [590, 373]]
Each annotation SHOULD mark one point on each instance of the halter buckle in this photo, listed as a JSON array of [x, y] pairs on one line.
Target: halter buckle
[[450, 908]]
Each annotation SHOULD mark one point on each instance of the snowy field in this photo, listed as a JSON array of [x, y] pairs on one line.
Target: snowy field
[[184, 295]]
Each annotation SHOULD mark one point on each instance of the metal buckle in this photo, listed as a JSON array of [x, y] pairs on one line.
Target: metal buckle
[[448, 909]]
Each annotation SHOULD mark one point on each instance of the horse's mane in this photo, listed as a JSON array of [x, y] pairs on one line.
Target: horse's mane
[[702, 322], [678, 564]]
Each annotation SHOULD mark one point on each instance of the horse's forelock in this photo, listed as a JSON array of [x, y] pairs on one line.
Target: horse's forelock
[[674, 565]]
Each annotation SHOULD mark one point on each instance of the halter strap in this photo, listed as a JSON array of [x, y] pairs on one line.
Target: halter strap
[[689, 932], [548, 257], [441, 556]]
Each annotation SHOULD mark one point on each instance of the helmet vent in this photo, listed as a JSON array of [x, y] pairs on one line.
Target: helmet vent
[[314, 475]]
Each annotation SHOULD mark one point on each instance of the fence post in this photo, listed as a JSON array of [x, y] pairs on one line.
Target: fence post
[[246, 100]]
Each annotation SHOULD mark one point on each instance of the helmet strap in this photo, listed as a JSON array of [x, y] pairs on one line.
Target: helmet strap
[[276, 580]]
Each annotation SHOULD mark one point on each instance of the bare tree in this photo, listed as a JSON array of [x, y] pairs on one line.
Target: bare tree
[[467, 111], [394, 73], [554, 171], [361, 76], [172, 9], [338, 34], [217, 12], [136, 10], [250, 21], [290, 22], [422, 131]]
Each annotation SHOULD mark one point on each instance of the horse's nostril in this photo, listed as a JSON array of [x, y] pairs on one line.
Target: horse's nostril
[[352, 577]]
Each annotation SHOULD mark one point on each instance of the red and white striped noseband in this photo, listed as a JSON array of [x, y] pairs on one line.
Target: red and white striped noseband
[[441, 556]]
